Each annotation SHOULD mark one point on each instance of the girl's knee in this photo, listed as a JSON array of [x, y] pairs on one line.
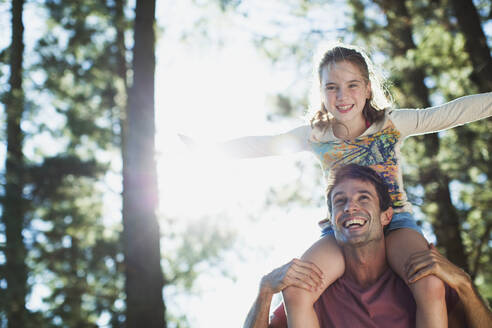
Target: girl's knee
[[337, 266], [430, 288], [297, 297], [327, 255]]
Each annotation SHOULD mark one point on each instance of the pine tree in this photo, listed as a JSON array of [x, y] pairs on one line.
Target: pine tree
[[144, 278], [14, 203]]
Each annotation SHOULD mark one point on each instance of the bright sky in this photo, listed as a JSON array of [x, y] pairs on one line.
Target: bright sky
[[215, 93]]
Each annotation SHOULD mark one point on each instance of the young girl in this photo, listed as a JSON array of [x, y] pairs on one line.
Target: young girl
[[355, 125]]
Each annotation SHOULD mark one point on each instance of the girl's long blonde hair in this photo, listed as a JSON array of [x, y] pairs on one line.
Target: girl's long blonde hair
[[375, 106]]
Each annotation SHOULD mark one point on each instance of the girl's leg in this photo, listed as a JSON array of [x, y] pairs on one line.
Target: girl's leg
[[428, 292], [299, 302]]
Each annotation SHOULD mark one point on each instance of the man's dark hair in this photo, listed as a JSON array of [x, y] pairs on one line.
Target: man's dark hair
[[363, 173]]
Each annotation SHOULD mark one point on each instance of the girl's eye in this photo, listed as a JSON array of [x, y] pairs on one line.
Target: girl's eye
[[330, 88], [353, 85]]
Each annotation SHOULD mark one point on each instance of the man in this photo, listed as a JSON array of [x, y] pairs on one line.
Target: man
[[369, 294]]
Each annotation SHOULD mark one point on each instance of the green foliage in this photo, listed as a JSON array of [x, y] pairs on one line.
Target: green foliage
[[224, 5], [194, 248], [74, 253], [70, 249], [79, 60], [47, 176], [80, 73], [76, 256]]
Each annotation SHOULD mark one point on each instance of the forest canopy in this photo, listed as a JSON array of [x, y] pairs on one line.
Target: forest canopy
[[106, 222]]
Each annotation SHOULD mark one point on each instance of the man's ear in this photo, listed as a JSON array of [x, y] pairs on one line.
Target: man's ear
[[386, 216]]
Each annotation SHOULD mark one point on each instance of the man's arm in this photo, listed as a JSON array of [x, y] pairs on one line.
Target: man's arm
[[258, 314], [429, 262], [297, 273]]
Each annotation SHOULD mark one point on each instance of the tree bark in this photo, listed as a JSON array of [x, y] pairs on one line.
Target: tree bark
[[144, 278], [14, 203], [475, 43]]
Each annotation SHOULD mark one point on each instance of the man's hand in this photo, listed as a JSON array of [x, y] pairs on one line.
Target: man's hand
[[297, 273], [475, 310], [429, 262]]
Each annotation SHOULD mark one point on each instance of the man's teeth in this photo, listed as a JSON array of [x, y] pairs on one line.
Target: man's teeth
[[352, 222]]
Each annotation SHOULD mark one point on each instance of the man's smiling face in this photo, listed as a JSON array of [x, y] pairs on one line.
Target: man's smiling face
[[356, 216]]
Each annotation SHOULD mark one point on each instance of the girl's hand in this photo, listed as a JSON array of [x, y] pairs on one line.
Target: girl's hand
[[302, 274], [429, 262], [189, 142]]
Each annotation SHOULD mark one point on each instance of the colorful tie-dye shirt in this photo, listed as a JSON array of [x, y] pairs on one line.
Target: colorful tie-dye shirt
[[377, 150]]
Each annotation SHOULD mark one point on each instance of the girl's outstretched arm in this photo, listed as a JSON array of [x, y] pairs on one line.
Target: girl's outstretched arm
[[293, 141], [448, 115]]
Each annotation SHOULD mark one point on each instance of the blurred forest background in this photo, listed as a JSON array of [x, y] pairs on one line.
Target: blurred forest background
[[78, 113]]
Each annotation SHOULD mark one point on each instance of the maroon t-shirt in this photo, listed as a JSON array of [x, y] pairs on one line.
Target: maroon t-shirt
[[386, 303]]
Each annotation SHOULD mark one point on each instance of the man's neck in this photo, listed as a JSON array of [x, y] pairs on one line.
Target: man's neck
[[365, 264]]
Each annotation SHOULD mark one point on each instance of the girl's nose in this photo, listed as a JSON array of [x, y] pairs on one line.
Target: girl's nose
[[340, 93]]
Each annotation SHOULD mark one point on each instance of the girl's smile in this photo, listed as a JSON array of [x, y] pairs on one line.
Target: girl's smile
[[344, 108]]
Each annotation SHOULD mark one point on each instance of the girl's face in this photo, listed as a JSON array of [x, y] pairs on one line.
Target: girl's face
[[344, 92]]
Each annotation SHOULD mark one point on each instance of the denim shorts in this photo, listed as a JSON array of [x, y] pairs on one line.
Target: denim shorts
[[399, 220]]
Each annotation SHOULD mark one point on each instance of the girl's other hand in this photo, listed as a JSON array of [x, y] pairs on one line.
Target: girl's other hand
[[189, 142]]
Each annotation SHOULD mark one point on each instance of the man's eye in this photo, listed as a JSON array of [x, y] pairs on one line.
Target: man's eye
[[364, 198], [339, 201]]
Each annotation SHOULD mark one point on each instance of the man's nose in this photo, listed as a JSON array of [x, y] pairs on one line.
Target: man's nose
[[350, 206]]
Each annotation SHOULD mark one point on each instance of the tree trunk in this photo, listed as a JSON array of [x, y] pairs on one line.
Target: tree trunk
[[144, 278], [14, 203], [447, 222], [476, 43]]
